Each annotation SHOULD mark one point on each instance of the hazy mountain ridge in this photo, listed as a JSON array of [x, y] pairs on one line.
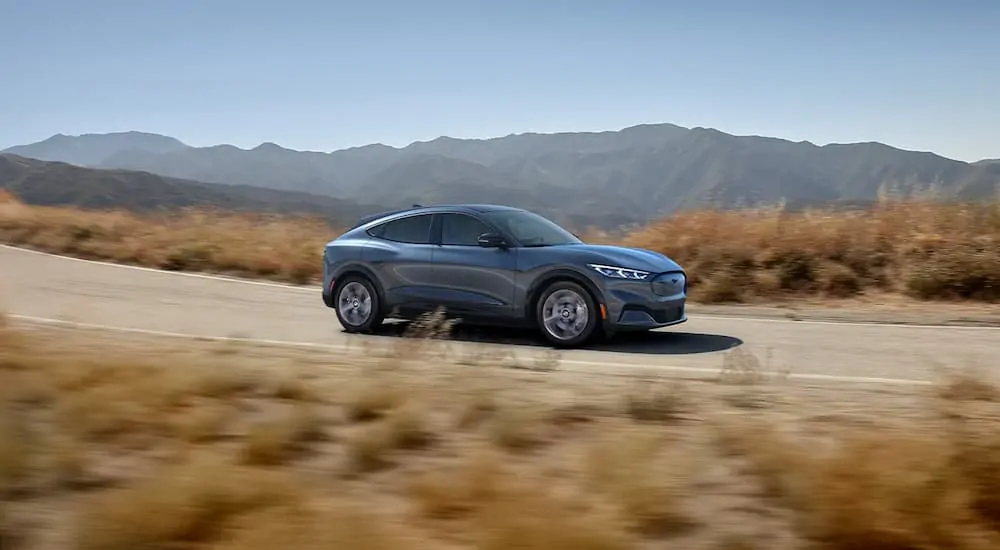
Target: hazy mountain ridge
[[633, 174], [93, 149], [60, 184]]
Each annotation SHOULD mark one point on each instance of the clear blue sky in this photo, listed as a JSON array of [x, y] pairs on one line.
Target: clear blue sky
[[323, 75]]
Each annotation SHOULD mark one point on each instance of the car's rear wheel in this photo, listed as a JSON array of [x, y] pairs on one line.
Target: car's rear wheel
[[357, 304], [566, 314]]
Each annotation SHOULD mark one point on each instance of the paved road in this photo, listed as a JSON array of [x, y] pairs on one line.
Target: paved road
[[39, 286]]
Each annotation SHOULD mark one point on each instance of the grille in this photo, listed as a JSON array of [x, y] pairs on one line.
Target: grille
[[669, 284]]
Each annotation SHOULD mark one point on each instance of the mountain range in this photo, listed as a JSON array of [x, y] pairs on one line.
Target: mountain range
[[51, 183], [607, 179]]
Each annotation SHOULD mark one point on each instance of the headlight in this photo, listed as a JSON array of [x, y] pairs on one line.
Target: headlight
[[620, 272]]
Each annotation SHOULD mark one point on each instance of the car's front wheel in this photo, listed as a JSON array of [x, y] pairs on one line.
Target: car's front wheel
[[357, 304], [566, 314]]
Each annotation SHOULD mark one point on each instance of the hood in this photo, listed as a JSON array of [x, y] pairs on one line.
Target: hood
[[621, 256]]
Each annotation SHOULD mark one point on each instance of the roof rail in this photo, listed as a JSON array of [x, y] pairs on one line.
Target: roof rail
[[370, 217]]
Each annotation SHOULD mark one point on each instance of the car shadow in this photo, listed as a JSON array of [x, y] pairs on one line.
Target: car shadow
[[653, 343]]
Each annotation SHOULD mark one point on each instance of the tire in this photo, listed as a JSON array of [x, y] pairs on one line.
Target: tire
[[350, 297], [569, 301]]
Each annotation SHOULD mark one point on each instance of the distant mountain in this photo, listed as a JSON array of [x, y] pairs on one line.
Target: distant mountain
[[93, 149], [988, 161], [59, 184], [603, 178]]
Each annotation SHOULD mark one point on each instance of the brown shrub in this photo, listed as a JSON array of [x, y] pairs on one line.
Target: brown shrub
[[189, 502], [276, 440], [927, 249]]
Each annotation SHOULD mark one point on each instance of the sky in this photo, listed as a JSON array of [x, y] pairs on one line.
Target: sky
[[325, 75]]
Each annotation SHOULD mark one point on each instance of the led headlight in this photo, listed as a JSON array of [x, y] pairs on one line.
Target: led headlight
[[620, 272]]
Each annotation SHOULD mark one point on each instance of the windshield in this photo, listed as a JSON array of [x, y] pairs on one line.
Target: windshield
[[530, 228]]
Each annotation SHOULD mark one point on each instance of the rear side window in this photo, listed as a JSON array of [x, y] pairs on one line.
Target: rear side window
[[462, 230], [413, 229]]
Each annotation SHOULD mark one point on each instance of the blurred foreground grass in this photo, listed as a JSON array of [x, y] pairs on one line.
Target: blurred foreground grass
[[110, 442], [923, 250]]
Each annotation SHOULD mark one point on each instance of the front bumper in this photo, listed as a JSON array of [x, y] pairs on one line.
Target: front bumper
[[644, 305]]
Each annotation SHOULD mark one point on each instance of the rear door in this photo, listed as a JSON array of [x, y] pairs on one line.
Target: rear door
[[472, 281], [403, 257]]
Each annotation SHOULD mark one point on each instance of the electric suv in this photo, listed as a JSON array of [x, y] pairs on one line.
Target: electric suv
[[497, 265]]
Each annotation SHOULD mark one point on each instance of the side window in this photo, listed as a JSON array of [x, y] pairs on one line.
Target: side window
[[459, 229], [413, 229]]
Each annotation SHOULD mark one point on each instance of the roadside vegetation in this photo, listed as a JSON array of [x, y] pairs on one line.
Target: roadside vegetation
[[114, 442], [917, 250]]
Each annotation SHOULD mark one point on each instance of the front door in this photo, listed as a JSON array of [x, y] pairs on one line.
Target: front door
[[473, 282]]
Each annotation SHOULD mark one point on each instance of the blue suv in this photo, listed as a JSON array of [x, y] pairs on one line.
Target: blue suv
[[497, 265]]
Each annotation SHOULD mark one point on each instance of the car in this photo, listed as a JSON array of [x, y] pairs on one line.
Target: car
[[497, 265]]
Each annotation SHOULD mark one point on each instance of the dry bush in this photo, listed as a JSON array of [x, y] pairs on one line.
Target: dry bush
[[648, 483], [768, 454], [446, 494], [405, 428], [654, 400], [967, 385], [184, 503], [882, 488], [278, 247], [372, 398], [135, 450], [926, 249], [874, 492], [15, 449], [316, 523], [534, 518], [276, 440], [517, 428]]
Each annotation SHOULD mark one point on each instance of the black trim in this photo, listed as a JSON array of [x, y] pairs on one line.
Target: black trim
[[662, 315], [436, 228]]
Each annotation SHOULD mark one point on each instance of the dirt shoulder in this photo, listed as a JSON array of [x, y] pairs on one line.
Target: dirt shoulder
[[883, 309]]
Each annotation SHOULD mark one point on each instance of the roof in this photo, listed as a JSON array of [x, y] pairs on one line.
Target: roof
[[435, 208]]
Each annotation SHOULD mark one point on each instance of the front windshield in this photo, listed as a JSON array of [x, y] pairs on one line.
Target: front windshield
[[530, 228]]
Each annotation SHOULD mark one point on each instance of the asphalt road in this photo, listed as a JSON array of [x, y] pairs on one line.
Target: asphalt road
[[36, 287]]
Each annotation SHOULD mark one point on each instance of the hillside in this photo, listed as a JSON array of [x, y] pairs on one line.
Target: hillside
[[59, 184], [605, 178]]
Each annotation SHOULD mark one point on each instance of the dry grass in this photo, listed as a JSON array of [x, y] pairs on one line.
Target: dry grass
[[266, 246], [106, 444], [922, 250]]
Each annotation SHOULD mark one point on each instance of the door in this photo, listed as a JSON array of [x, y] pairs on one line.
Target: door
[[473, 281], [403, 257]]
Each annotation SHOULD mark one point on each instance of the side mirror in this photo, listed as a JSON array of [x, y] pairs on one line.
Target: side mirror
[[491, 240]]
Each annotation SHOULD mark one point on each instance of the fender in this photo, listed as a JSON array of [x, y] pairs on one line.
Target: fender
[[355, 268]]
